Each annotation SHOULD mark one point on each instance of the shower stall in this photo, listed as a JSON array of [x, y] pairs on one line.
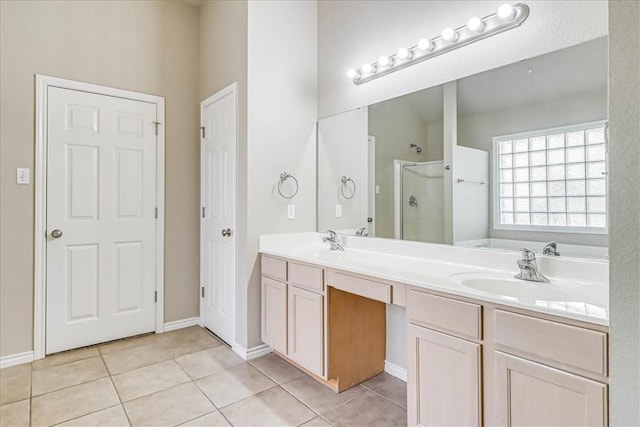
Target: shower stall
[[419, 201]]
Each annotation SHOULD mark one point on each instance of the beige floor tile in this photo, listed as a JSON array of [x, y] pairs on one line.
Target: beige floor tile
[[169, 407], [15, 414], [73, 402], [316, 422], [63, 376], [65, 357], [236, 383], [208, 362], [274, 407], [150, 379], [186, 341], [136, 357], [318, 397], [390, 387], [15, 383], [127, 343], [368, 410], [277, 369], [215, 419], [113, 416]]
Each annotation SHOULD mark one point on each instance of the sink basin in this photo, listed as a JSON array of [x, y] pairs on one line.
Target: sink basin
[[558, 295], [515, 288]]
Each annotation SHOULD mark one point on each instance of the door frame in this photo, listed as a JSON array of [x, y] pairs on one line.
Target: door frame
[[232, 89], [40, 172]]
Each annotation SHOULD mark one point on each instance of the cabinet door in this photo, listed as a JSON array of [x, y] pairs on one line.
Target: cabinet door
[[443, 379], [306, 323], [274, 314], [531, 394]]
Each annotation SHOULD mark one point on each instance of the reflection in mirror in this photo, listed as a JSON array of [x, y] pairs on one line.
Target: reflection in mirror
[[510, 157]]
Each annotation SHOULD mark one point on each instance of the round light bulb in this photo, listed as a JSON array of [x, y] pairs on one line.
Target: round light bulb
[[449, 34], [404, 53], [424, 44], [366, 68], [351, 73], [506, 12], [383, 61], [475, 24]]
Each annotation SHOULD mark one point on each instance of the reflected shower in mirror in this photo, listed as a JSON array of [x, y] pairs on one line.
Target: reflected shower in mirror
[[510, 157]]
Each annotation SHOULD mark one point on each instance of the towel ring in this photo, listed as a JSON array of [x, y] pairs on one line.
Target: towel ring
[[345, 180], [284, 176]]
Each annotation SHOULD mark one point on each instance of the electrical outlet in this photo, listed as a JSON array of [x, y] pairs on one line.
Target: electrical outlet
[[338, 211], [377, 189], [291, 211], [22, 176]]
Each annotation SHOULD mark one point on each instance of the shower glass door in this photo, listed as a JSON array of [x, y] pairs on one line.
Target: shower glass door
[[422, 199]]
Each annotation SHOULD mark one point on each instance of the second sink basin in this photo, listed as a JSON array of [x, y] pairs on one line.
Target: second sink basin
[[515, 288]]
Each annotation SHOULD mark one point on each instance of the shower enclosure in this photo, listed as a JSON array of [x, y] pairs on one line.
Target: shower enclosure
[[419, 201]]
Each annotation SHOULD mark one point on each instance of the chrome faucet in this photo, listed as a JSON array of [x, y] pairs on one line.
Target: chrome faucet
[[362, 232], [529, 268], [551, 248], [333, 241]]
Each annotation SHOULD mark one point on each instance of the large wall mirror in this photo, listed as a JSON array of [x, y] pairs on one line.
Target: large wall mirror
[[514, 156]]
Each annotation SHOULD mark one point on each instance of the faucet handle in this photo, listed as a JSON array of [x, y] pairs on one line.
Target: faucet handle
[[527, 254], [332, 234]]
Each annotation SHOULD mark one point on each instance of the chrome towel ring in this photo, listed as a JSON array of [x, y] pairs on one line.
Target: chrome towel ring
[[345, 180], [284, 176]]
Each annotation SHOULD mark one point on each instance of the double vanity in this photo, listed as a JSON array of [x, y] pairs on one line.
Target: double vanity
[[483, 348]]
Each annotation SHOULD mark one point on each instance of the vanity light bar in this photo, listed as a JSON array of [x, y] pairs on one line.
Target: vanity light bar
[[507, 17]]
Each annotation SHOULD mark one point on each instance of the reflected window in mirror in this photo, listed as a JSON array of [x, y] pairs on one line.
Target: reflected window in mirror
[[552, 180]]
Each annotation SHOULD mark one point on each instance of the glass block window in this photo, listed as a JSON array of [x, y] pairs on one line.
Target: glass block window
[[552, 180]]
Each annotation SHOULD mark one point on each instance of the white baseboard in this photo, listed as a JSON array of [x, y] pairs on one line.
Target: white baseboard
[[183, 323], [16, 359], [395, 370], [251, 353]]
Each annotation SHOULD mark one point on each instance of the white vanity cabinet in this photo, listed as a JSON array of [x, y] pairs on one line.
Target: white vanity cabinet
[[336, 336], [444, 361]]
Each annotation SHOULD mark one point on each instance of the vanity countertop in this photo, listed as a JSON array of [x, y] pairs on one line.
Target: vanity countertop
[[578, 289]]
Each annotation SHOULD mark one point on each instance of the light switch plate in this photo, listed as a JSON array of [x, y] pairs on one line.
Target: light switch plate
[[338, 211], [22, 176], [291, 211], [377, 189]]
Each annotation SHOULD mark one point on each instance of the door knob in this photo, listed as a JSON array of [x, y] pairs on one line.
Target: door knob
[[226, 232], [56, 234]]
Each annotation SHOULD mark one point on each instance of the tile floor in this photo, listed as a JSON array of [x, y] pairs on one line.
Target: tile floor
[[185, 377]]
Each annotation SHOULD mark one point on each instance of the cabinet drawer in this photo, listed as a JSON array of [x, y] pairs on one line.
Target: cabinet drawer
[[306, 276], [275, 268], [461, 318], [359, 286], [551, 341]]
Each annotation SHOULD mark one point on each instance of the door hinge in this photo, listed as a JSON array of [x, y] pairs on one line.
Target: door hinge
[[202, 291], [155, 296], [156, 124], [202, 131], [156, 213], [203, 212]]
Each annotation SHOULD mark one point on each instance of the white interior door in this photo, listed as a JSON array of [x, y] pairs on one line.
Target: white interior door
[[218, 224], [101, 201]]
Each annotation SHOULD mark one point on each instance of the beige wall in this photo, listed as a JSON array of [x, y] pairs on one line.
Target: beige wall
[[143, 46], [624, 185]]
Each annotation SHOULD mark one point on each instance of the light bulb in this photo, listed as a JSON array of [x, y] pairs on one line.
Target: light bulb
[[475, 24], [404, 53], [424, 44], [506, 12], [383, 61], [366, 68], [351, 73], [449, 34]]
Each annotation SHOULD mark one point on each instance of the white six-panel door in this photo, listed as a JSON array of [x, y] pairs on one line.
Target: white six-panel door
[[218, 216], [101, 200]]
